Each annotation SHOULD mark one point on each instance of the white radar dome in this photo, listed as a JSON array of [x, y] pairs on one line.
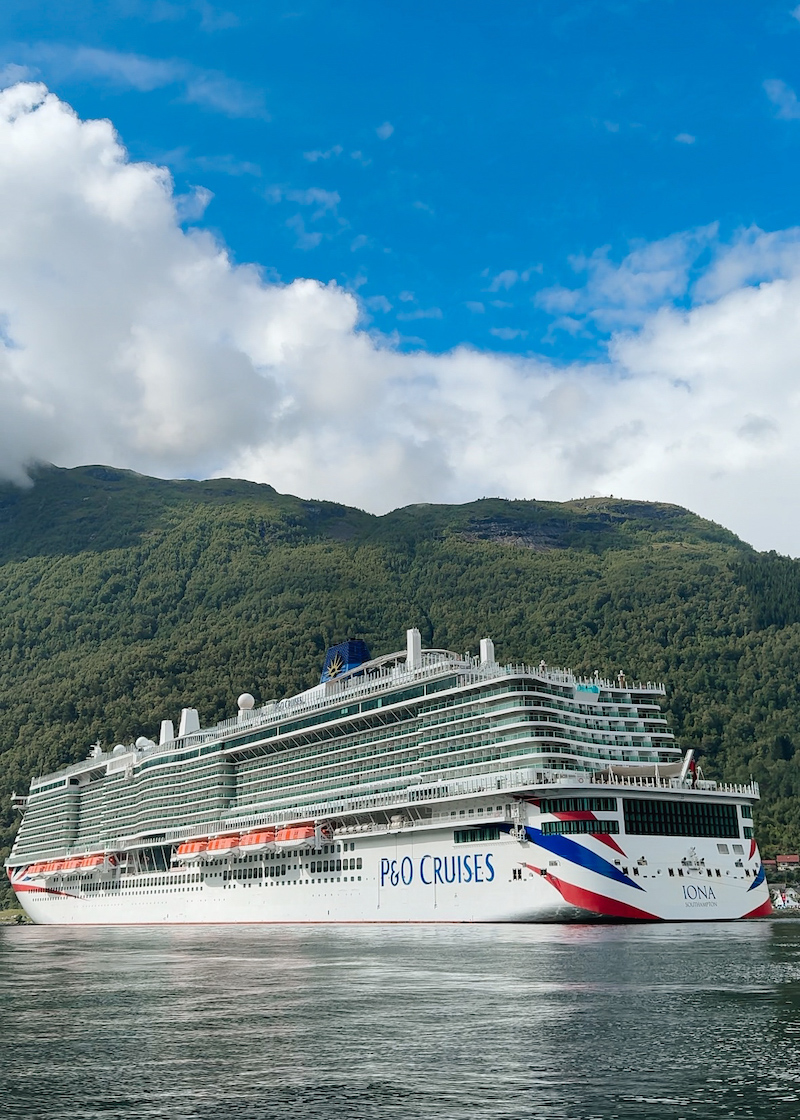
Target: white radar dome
[[120, 748], [143, 742], [246, 702]]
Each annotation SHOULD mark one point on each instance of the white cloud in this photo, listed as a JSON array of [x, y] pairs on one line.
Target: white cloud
[[223, 165], [378, 303], [508, 334], [210, 89], [622, 295], [12, 73], [505, 279], [130, 340], [314, 196], [331, 153], [306, 239], [385, 130], [796, 12], [163, 11], [192, 206], [420, 313], [783, 98], [685, 138], [475, 306]]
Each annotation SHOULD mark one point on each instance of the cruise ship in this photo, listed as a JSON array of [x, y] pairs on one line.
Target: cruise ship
[[421, 786]]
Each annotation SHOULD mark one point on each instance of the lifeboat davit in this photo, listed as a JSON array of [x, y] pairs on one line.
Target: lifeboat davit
[[92, 863], [224, 845], [297, 836], [260, 840], [191, 851]]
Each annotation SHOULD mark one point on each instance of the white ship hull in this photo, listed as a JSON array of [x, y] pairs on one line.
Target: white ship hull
[[422, 876]]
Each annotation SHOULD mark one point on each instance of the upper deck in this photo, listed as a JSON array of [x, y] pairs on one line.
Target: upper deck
[[412, 727]]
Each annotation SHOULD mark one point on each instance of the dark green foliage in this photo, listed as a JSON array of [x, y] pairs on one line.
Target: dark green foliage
[[773, 585], [125, 598]]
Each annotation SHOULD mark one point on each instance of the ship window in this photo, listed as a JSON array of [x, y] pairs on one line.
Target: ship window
[[672, 872], [338, 865], [648, 817], [573, 828], [738, 849], [747, 832], [580, 804], [475, 835], [325, 865], [746, 811], [722, 849], [358, 866]]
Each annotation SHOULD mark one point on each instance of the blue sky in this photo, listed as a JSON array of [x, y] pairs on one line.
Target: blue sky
[[518, 137], [533, 250]]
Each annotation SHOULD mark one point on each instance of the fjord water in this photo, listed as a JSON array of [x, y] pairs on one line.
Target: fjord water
[[390, 1022]]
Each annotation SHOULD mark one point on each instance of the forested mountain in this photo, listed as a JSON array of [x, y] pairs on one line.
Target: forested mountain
[[125, 598]]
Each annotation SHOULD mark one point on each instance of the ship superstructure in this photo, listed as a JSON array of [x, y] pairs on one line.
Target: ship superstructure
[[418, 786]]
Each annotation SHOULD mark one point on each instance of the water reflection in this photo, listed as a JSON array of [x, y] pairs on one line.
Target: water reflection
[[192, 1023]]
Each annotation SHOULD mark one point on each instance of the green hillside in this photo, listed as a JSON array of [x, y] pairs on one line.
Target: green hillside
[[125, 598]]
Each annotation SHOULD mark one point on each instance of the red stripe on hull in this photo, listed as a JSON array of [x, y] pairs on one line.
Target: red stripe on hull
[[597, 903], [762, 911], [18, 888], [606, 839]]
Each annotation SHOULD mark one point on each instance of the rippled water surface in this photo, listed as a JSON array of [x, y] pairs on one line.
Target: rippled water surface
[[496, 1022]]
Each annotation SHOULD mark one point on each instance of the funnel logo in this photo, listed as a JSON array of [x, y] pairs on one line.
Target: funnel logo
[[342, 658]]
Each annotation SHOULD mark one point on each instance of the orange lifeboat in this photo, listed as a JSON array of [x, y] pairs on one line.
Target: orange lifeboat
[[72, 864], [224, 845], [92, 863], [192, 850], [297, 836], [54, 866], [37, 868], [257, 841]]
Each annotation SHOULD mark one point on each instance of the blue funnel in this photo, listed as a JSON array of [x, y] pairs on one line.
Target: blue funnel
[[347, 655]]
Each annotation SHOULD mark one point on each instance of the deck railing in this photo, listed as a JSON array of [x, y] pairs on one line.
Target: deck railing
[[509, 783], [470, 671]]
